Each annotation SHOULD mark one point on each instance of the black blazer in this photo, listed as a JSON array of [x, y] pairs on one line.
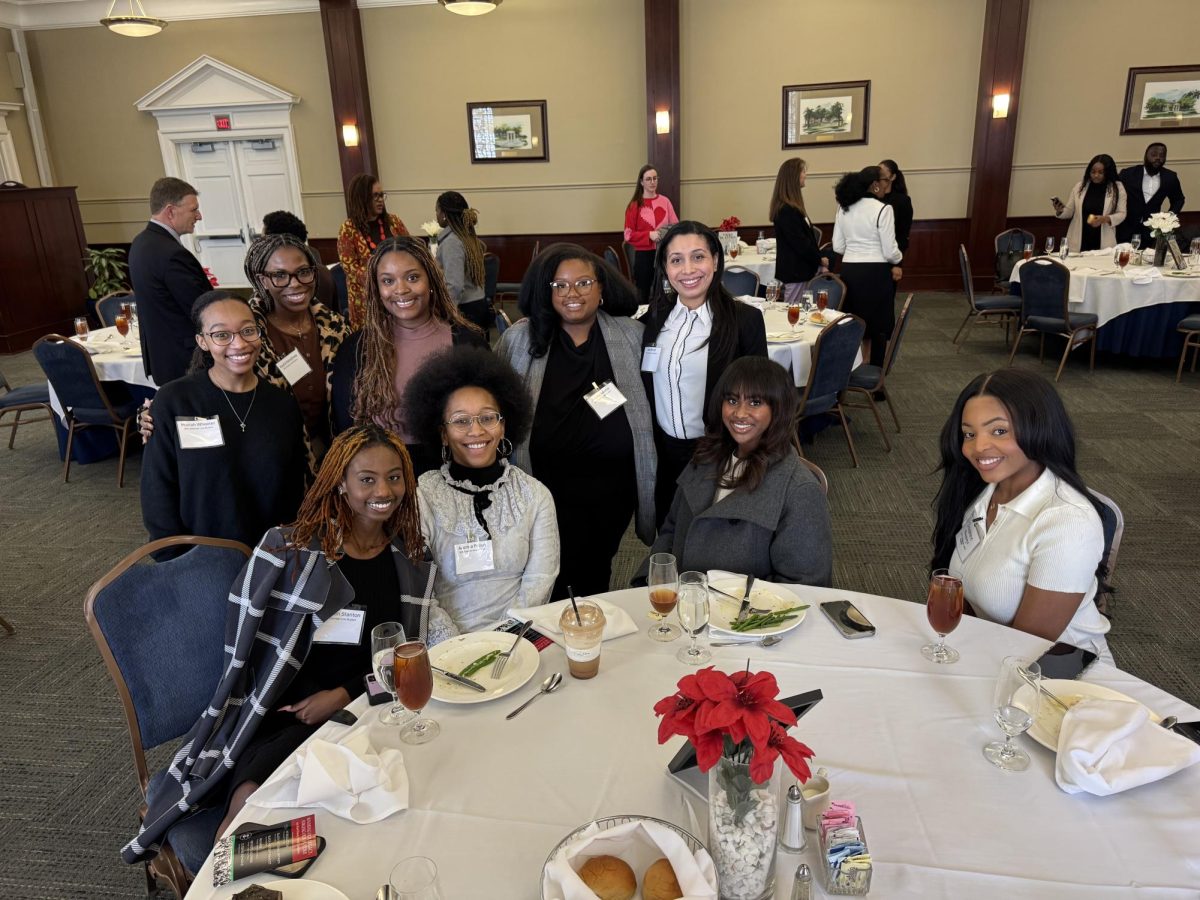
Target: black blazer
[[167, 278], [345, 369], [751, 341], [902, 209], [797, 256], [1137, 207]]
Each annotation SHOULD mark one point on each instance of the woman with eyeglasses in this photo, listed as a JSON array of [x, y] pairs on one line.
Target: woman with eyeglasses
[[228, 458], [647, 218], [367, 226], [596, 456], [490, 526]]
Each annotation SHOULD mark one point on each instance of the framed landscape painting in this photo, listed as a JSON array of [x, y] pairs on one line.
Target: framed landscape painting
[[508, 131], [834, 113], [1162, 98]]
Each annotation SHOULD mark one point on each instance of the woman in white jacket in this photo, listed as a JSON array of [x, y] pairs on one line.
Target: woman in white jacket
[[1095, 206]]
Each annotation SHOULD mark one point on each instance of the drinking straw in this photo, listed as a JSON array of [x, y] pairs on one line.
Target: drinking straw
[[574, 606]]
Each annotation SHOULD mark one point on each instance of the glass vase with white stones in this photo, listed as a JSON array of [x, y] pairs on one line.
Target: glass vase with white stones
[[743, 825]]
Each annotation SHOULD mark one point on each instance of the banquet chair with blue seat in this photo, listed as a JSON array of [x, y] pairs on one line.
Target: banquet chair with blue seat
[[1010, 247], [999, 310], [340, 292], [833, 356], [611, 257], [1190, 328], [1113, 522], [87, 401], [740, 282], [629, 253], [27, 398], [108, 307], [870, 380], [831, 284], [1045, 309], [160, 629]]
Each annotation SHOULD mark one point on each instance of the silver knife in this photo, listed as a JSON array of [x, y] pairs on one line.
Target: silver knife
[[460, 679], [745, 607]]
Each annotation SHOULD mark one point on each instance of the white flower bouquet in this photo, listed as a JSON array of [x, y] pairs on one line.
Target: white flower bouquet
[[1162, 224], [431, 228]]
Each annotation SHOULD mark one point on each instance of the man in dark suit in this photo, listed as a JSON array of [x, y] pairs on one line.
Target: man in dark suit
[[1146, 186], [167, 279]]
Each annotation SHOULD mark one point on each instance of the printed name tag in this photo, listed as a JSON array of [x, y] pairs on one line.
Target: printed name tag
[[344, 627], [197, 432], [968, 538], [293, 367], [650, 357], [473, 556], [605, 399]]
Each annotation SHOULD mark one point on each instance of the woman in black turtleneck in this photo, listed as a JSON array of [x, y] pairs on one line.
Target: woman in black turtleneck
[[490, 526], [1095, 206]]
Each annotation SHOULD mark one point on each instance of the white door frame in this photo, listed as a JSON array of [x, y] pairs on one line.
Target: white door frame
[[10, 169]]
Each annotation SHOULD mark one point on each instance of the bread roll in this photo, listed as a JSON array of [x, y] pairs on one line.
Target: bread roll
[[609, 878], [659, 882]]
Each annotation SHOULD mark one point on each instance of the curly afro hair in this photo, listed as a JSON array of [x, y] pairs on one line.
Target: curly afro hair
[[459, 367]]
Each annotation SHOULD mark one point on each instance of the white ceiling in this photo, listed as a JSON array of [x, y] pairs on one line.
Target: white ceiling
[[41, 14]]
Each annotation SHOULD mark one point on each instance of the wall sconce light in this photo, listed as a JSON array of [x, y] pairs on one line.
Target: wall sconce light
[[350, 135], [1000, 106], [662, 121]]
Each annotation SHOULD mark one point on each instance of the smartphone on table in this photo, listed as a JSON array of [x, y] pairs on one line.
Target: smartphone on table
[[848, 619], [1065, 661]]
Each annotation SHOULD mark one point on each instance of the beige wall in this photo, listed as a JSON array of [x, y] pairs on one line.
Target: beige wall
[[1077, 58], [88, 80], [922, 58], [18, 123], [586, 58]]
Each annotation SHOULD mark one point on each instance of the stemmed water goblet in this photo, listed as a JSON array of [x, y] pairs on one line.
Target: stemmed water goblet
[[1015, 706], [663, 581], [384, 638], [694, 611]]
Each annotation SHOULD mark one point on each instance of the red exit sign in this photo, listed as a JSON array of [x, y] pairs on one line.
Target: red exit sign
[[223, 122]]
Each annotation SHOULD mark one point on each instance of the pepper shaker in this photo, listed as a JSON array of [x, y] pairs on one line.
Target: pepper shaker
[[802, 883], [791, 835]]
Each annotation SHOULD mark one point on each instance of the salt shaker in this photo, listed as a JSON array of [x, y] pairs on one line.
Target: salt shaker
[[802, 883], [791, 835]]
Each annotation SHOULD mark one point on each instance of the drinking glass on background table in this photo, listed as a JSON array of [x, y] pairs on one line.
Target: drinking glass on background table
[[822, 300], [1123, 256], [122, 322], [663, 581], [1050, 245], [806, 301], [584, 637], [1195, 251], [773, 291], [384, 638], [693, 615], [414, 687], [81, 327], [415, 878], [1136, 242], [944, 607], [793, 314], [1015, 706], [1028, 251], [129, 310]]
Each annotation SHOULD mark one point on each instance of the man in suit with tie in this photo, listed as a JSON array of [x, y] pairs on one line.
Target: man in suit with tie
[[167, 279], [1146, 186]]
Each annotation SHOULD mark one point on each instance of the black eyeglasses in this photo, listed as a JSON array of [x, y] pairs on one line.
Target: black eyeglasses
[[305, 275], [251, 334], [582, 286]]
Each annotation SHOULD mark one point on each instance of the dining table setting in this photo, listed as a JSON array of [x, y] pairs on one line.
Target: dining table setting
[[566, 776]]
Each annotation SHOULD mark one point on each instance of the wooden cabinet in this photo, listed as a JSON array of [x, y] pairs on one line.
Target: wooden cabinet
[[43, 285]]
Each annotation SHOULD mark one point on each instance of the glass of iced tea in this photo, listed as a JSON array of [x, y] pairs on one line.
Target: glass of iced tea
[[1123, 257], [1028, 251], [944, 607], [81, 327], [413, 679], [122, 323], [663, 581], [822, 300], [793, 314]]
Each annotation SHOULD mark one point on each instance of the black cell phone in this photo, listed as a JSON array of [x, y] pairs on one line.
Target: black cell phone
[[376, 695], [848, 619], [799, 704], [1065, 661], [343, 717]]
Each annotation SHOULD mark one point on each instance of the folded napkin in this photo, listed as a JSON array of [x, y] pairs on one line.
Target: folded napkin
[[350, 779], [97, 347], [639, 843], [1108, 746], [617, 622]]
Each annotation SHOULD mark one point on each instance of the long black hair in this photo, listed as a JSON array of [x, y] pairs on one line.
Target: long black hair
[[723, 335], [619, 296], [899, 185], [765, 379], [1110, 174], [1043, 431], [853, 186]]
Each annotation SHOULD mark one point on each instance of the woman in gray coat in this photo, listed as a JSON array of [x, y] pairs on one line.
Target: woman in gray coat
[[746, 503], [592, 440]]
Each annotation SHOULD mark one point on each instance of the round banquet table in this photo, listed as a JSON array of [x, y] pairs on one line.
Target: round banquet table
[[792, 349], [761, 265], [900, 736]]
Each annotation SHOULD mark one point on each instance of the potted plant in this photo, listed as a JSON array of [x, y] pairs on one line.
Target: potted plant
[[109, 271]]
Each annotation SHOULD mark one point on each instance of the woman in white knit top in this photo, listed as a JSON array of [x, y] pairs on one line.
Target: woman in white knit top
[[1014, 519]]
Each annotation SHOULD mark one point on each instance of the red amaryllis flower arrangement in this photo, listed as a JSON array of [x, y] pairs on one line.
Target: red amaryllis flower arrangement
[[730, 224], [736, 716]]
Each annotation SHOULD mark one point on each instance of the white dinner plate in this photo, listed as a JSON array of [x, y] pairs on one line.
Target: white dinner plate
[[1049, 719], [764, 595], [784, 337], [299, 889], [457, 653], [1175, 273]]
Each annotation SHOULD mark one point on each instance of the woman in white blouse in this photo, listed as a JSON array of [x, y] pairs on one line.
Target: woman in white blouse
[[864, 235], [1015, 521]]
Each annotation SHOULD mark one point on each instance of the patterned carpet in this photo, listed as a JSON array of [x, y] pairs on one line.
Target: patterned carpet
[[69, 795]]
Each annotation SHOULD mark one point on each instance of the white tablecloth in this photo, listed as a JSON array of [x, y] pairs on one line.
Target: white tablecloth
[[1098, 285], [115, 365], [900, 736], [763, 266]]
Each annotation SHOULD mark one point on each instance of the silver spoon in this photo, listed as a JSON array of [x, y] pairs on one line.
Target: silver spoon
[[549, 686], [1169, 722], [769, 641], [385, 892]]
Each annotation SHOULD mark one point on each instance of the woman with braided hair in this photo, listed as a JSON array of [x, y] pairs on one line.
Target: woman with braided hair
[[409, 318], [367, 226], [460, 254]]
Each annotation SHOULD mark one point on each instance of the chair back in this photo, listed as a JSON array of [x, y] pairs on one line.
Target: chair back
[[537, 248], [964, 264], [161, 630], [833, 285], [503, 322], [339, 288], [491, 276], [109, 306], [1044, 286], [628, 252], [610, 257], [72, 374], [818, 471], [893, 349], [832, 361], [740, 282], [1113, 521], [1010, 245]]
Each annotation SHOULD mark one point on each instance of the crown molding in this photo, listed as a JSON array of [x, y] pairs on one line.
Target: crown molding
[[41, 15]]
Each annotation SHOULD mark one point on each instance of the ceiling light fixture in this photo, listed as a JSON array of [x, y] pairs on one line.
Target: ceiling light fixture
[[135, 24], [470, 7]]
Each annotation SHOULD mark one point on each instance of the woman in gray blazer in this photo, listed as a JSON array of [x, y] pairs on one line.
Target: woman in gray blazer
[[746, 503], [593, 449]]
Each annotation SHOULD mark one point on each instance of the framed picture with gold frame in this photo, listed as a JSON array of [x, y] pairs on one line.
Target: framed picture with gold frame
[[831, 113], [1161, 99], [508, 131]]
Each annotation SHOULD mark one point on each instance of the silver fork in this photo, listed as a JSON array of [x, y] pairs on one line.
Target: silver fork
[[502, 659]]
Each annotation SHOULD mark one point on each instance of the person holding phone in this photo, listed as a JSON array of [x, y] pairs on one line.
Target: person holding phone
[[1015, 520], [1095, 206]]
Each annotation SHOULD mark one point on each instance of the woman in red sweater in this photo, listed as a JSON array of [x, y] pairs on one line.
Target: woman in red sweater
[[647, 218]]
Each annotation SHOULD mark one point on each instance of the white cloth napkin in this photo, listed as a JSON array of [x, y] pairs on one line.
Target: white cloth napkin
[[1108, 746], [351, 780], [639, 843], [617, 622], [97, 347]]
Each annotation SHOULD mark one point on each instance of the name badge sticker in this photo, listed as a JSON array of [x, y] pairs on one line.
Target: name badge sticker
[[344, 627], [650, 357], [473, 556], [293, 367], [605, 399], [199, 432], [969, 537]]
